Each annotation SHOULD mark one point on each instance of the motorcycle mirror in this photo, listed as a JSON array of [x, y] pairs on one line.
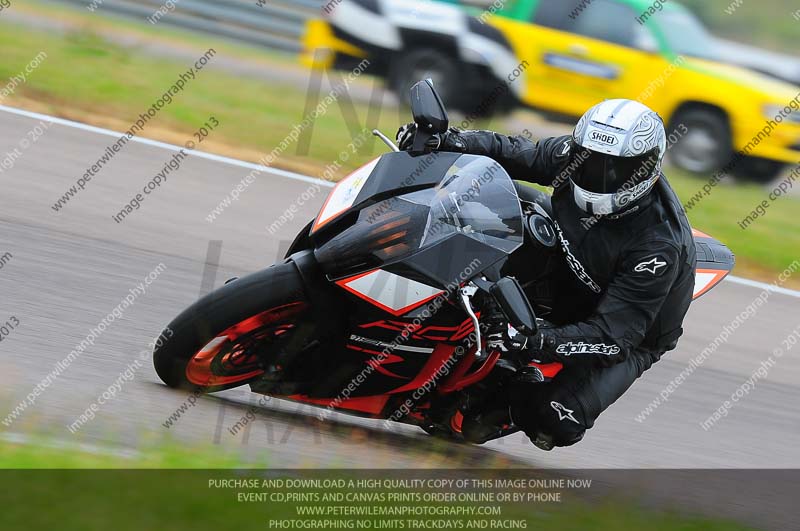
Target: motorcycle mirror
[[427, 108], [515, 305]]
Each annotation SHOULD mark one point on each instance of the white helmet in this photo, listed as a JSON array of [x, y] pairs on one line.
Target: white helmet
[[618, 148]]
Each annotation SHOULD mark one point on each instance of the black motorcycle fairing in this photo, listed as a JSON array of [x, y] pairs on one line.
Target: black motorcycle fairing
[[395, 174], [403, 172], [451, 262], [472, 217], [302, 241], [382, 233]]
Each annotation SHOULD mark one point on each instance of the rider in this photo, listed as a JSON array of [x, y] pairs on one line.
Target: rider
[[630, 255]]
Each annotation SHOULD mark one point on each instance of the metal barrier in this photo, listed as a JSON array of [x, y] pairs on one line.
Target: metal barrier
[[274, 24]]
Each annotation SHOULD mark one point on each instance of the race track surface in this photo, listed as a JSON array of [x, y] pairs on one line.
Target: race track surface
[[70, 268]]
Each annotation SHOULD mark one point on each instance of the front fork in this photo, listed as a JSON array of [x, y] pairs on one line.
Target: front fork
[[284, 374]]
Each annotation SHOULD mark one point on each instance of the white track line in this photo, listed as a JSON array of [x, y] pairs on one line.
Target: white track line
[[763, 286], [290, 175], [170, 147]]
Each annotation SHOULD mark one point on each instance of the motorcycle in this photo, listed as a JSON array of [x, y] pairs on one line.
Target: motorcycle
[[384, 303]]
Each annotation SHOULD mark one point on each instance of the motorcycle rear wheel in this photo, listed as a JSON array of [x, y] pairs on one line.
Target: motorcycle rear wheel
[[218, 342]]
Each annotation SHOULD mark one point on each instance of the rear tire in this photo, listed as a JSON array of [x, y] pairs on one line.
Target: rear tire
[[247, 311]]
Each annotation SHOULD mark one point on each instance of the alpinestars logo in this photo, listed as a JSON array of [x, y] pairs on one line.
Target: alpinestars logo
[[574, 263], [564, 413], [650, 266], [568, 349]]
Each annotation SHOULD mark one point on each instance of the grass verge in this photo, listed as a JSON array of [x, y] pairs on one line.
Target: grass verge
[[58, 496], [88, 78], [44, 452]]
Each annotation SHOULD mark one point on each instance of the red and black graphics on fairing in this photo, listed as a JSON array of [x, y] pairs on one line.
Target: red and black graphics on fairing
[[393, 351], [429, 333]]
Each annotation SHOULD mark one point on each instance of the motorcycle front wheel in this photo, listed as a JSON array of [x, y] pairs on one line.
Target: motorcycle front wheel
[[226, 339]]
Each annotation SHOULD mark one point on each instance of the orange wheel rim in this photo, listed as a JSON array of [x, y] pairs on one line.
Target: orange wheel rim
[[229, 358]]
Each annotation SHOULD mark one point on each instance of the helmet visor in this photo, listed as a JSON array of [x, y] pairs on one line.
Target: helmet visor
[[606, 174]]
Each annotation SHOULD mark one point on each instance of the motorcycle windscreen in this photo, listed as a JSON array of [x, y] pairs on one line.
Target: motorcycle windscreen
[[384, 232], [476, 198]]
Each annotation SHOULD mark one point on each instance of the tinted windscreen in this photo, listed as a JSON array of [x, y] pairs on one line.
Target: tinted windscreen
[[476, 198], [385, 232]]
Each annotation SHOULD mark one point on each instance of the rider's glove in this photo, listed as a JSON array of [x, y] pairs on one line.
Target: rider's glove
[[453, 141], [450, 140], [405, 136], [505, 342], [497, 341], [536, 354], [534, 348], [494, 324]]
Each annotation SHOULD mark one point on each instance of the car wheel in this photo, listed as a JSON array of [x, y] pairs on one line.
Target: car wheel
[[757, 170], [424, 63], [704, 144]]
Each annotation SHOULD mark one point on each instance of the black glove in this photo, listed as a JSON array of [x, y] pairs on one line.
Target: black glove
[[533, 347], [497, 341], [494, 324], [405, 136], [450, 140], [502, 341]]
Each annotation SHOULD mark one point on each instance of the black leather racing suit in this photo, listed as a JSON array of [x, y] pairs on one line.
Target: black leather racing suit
[[621, 299]]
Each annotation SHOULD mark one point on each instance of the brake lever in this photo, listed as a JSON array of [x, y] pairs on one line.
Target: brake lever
[[386, 140], [465, 293]]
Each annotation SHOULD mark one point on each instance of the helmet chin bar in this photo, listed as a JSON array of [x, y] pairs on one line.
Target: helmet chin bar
[[608, 204]]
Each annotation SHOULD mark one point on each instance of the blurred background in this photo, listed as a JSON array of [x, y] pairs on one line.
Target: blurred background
[[717, 71]]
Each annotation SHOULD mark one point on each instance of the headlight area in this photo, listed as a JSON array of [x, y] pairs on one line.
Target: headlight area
[[789, 113]]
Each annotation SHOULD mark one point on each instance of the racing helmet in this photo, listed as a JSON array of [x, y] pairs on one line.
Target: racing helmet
[[617, 151]]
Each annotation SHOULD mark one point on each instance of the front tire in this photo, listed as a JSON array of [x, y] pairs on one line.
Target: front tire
[[219, 342]]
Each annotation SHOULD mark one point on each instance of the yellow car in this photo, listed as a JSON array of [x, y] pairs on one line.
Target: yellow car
[[563, 56]]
